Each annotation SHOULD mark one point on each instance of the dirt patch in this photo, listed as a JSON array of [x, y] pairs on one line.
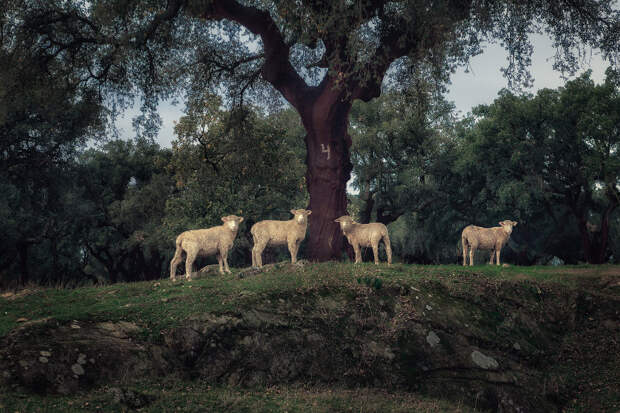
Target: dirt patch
[[14, 295]]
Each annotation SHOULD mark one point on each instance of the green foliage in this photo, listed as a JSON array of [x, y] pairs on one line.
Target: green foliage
[[67, 68], [548, 161], [123, 189], [551, 161], [45, 119], [399, 142], [235, 162]]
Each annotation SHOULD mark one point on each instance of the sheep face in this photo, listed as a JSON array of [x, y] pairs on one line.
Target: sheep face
[[345, 222], [301, 215], [232, 222], [507, 225]]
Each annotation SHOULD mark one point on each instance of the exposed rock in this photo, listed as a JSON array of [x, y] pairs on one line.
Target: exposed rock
[[78, 369], [483, 361], [432, 339], [120, 329]]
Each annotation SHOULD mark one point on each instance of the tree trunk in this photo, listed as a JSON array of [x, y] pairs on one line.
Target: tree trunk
[[595, 242], [329, 169], [23, 263], [601, 254]]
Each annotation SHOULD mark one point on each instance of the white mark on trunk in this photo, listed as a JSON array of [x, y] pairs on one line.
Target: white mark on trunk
[[325, 149]]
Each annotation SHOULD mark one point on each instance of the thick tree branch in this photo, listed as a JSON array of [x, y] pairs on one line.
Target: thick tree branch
[[277, 68], [172, 9], [396, 43]]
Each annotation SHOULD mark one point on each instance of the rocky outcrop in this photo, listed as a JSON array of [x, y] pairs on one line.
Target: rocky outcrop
[[509, 346], [53, 358]]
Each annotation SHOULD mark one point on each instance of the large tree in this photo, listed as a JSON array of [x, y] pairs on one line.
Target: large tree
[[320, 55]]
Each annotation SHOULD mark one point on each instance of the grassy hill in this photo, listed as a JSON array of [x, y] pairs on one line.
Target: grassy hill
[[320, 337]]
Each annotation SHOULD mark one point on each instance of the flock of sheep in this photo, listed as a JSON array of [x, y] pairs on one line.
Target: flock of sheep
[[219, 240]]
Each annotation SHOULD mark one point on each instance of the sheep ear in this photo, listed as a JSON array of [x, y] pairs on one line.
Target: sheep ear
[[308, 212], [514, 223], [501, 223], [224, 219], [293, 211], [240, 219]]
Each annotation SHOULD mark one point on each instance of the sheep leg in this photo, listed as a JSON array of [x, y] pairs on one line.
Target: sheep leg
[[375, 252], [292, 249], [388, 249], [254, 265], [464, 242], [471, 255], [224, 256], [219, 261], [497, 252], [189, 262], [492, 257], [358, 253], [257, 255], [176, 260]]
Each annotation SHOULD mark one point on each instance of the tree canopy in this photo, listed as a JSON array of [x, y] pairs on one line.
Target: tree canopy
[[319, 55], [558, 148]]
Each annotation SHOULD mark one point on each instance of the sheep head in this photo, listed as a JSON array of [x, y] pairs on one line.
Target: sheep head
[[232, 222], [345, 222], [301, 215], [507, 225]]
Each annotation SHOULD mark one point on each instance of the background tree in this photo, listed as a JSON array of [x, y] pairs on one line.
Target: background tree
[[234, 162], [398, 141], [555, 154], [46, 117], [549, 161], [123, 189], [320, 55]]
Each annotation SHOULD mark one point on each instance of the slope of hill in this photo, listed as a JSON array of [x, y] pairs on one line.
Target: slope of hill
[[321, 337]]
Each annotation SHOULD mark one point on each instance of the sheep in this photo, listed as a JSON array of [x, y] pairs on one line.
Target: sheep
[[365, 235], [215, 240], [493, 239], [270, 232]]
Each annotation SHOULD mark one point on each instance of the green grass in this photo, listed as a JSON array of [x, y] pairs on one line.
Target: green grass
[[157, 305], [196, 396]]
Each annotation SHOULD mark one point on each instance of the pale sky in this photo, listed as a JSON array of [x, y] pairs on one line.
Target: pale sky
[[479, 86], [485, 80]]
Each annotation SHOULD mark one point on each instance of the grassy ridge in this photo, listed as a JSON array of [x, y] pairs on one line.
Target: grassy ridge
[[163, 304], [158, 305]]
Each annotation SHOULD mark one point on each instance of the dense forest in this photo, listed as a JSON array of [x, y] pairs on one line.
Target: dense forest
[[77, 212]]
